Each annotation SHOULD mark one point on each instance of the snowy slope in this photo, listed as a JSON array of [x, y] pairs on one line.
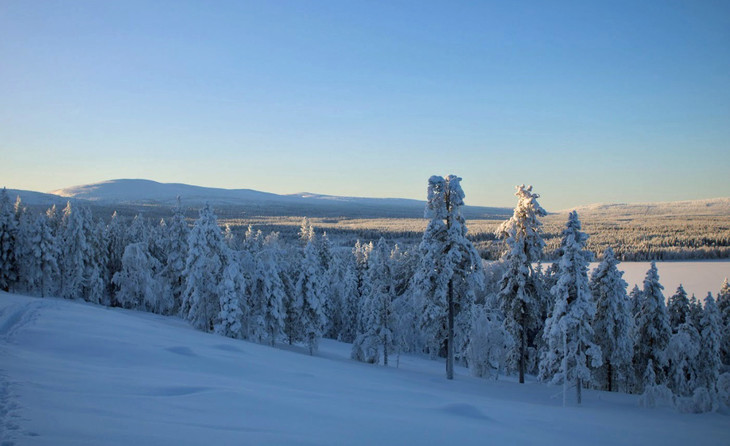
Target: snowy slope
[[77, 374]]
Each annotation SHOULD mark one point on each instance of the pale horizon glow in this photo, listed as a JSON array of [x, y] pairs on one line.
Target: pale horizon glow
[[589, 102]]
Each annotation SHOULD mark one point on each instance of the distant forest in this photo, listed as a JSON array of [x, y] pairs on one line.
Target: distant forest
[[653, 237]]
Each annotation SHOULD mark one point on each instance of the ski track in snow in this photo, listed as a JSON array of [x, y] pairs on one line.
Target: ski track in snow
[[13, 319]]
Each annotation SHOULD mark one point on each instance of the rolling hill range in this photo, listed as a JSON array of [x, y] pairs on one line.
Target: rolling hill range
[[133, 195], [149, 193]]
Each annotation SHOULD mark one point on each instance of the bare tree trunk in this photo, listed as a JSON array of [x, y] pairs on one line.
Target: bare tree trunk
[[610, 376], [578, 387]]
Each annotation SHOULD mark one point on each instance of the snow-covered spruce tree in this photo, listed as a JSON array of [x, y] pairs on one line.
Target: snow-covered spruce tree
[[653, 392], [613, 324], [8, 235], [116, 242], [678, 309], [450, 269], [231, 292], [332, 304], [74, 254], [45, 271], [708, 361], [518, 295], [24, 250], [489, 343], [137, 288], [98, 275], [635, 297], [695, 311], [271, 288], [568, 332], [682, 353], [138, 231], [378, 315], [652, 329], [176, 244], [723, 306], [350, 301], [310, 302], [204, 271]]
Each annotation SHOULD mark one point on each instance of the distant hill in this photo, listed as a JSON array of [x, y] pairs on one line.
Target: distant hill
[[138, 192], [709, 207]]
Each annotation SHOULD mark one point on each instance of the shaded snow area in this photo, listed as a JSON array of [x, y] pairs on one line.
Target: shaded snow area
[[77, 374]]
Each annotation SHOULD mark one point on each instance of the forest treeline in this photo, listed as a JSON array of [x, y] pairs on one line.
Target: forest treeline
[[436, 297]]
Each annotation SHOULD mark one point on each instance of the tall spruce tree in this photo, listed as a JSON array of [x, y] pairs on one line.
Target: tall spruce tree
[[231, 296], [709, 363], [723, 307], [568, 332], [8, 235], [450, 269], [613, 323], [518, 294], [652, 329], [176, 244], [204, 267], [379, 317], [310, 301], [678, 309]]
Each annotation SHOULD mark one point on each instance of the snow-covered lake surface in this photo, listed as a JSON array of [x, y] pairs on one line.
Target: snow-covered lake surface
[[696, 277], [77, 374]]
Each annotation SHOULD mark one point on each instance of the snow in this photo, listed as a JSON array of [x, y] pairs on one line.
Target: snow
[[697, 277], [78, 374]]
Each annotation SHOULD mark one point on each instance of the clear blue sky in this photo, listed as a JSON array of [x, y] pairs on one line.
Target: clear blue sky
[[590, 101]]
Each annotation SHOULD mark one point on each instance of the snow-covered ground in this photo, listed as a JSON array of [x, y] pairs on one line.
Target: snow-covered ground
[[77, 374]]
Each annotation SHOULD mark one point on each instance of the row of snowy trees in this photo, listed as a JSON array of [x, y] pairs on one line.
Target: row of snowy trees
[[439, 299], [581, 331]]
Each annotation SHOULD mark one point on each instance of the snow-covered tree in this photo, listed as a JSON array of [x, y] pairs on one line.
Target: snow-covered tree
[[568, 332], [137, 288], [116, 239], [378, 315], [24, 249], [682, 352], [350, 299], [268, 292], [723, 307], [231, 291], [652, 328], [613, 323], [204, 271], [635, 297], [450, 269], [176, 249], [8, 234], [46, 253], [489, 343], [709, 364], [74, 254], [310, 302], [518, 295], [678, 309], [695, 310], [138, 231]]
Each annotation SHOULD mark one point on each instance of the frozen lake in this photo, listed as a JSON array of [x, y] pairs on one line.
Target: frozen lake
[[696, 277]]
